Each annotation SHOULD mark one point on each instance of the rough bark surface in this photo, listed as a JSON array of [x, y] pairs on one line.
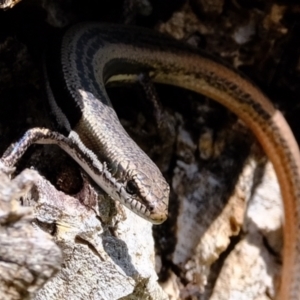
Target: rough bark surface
[[28, 256]]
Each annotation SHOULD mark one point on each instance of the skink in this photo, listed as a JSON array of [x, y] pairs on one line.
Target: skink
[[93, 55]]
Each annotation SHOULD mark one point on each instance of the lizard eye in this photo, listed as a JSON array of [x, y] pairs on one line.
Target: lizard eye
[[131, 187]]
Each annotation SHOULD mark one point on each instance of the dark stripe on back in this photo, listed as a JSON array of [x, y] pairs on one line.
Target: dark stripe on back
[[62, 96], [85, 64]]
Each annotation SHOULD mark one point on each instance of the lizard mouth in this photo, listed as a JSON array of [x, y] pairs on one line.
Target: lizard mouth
[[155, 214]]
